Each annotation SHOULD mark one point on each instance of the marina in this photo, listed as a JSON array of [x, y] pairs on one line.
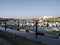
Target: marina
[[29, 22], [30, 28]]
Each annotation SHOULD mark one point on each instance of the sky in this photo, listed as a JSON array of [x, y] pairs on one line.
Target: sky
[[29, 8]]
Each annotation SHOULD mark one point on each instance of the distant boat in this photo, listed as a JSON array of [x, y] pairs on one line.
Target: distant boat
[[51, 29], [55, 29]]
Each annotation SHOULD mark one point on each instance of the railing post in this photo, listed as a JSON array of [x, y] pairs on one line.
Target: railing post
[[18, 24], [22, 22], [25, 23], [5, 24], [33, 24], [47, 24], [36, 29]]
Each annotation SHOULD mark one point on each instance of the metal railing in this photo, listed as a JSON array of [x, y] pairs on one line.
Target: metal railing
[[22, 24]]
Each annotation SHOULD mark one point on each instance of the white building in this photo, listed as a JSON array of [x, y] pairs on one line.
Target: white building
[[47, 17]]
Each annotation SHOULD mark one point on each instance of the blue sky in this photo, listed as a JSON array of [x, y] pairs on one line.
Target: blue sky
[[29, 8]]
